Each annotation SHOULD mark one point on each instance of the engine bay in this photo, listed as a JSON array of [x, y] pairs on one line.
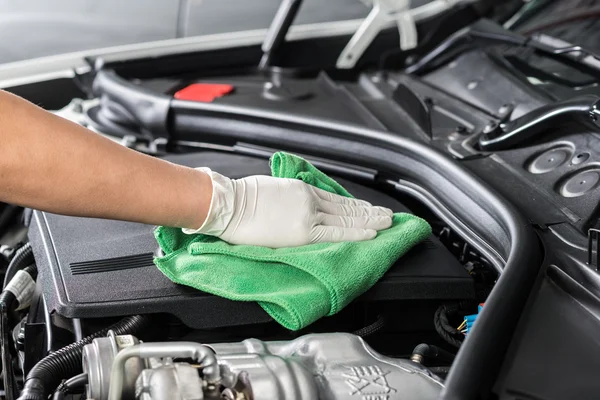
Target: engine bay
[[101, 270], [486, 132]]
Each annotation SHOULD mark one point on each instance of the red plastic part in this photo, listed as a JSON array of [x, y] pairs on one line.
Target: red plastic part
[[203, 92]]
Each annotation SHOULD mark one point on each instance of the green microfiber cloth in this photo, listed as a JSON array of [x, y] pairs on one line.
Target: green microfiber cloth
[[298, 285]]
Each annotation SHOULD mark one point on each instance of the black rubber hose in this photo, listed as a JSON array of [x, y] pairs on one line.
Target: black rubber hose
[[47, 374], [22, 258], [70, 385], [7, 300], [426, 352]]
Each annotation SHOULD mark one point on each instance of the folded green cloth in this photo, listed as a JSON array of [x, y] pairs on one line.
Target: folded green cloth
[[297, 285]]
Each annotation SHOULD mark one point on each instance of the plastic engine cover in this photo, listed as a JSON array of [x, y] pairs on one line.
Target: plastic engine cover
[[99, 268]]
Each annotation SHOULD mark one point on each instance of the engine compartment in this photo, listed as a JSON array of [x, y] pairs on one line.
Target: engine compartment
[[406, 135], [98, 271]]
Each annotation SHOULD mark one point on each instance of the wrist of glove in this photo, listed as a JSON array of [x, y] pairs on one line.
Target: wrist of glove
[[279, 212]]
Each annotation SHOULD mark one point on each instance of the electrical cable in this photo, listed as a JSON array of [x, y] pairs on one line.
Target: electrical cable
[[8, 299], [22, 258], [46, 375], [70, 385], [444, 329], [372, 328]]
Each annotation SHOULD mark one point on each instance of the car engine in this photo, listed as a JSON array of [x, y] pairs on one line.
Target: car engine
[[324, 366], [93, 270]]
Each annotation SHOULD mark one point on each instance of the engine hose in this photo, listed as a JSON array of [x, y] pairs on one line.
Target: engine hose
[[68, 386], [426, 352], [7, 300], [47, 374], [22, 258]]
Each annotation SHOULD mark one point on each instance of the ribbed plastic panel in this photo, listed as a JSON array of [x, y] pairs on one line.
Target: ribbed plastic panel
[[112, 264]]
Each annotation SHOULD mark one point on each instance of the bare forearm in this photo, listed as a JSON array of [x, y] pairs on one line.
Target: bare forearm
[[51, 164]]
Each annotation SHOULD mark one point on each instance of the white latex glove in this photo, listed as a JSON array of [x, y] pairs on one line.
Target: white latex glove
[[277, 212]]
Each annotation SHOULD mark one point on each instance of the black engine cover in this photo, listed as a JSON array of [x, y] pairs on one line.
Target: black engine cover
[[99, 268]]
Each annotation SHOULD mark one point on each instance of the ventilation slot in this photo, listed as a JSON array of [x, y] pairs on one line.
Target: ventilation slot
[[112, 264]]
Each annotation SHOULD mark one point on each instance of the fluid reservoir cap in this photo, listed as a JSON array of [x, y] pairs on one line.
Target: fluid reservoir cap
[[203, 92], [580, 183], [549, 160]]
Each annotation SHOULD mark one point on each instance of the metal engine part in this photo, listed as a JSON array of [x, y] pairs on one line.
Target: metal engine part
[[97, 361], [321, 366], [327, 366], [170, 381]]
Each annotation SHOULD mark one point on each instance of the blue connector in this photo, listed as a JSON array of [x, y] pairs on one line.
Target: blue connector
[[470, 319]]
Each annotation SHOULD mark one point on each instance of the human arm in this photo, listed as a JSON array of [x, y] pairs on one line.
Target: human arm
[[52, 164], [55, 165]]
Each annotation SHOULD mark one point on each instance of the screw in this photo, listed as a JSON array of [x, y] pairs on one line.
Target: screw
[[490, 127]]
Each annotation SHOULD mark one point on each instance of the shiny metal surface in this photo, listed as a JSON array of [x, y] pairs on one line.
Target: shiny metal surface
[[328, 366], [179, 381], [97, 363], [202, 354], [323, 366]]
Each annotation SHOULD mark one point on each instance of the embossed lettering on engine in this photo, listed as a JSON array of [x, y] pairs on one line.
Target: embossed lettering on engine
[[369, 381]]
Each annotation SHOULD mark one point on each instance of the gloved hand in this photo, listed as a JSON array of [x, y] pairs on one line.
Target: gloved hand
[[278, 212]]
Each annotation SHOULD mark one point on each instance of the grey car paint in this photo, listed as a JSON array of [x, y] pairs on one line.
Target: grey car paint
[[37, 28]]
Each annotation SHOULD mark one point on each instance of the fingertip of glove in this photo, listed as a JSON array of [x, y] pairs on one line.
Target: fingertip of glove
[[369, 234], [387, 211], [387, 222], [380, 211]]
